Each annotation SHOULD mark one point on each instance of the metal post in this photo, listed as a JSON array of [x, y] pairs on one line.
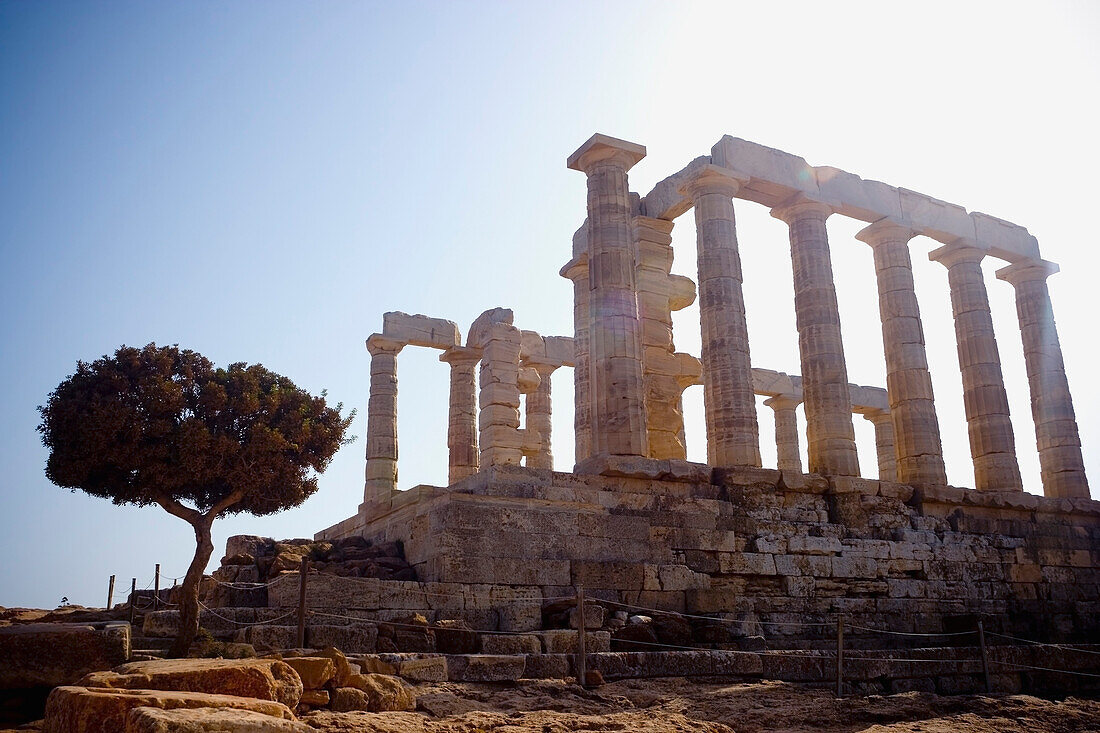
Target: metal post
[[156, 588], [840, 656], [303, 571], [985, 658], [110, 592], [582, 656], [133, 601]]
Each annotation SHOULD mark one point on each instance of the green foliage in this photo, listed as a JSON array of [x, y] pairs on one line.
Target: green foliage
[[160, 423]]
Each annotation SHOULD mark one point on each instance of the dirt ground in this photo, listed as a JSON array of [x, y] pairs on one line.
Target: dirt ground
[[677, 704]]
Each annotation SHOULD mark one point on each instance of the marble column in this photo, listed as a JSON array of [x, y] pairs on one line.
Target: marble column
[[992, 443], [614, 339], [733, 434], [659, 294], [500, 438], [577, 271], [884, 444], [1060, 461], [917, 445], [786, 432], [538, 418], [462, 453], [830, 436], [381, 473]]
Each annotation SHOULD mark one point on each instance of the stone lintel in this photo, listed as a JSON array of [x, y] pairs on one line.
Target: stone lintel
[[418, 330], [601, 147]]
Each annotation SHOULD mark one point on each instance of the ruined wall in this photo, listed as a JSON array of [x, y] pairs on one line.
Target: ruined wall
[[767, 548]]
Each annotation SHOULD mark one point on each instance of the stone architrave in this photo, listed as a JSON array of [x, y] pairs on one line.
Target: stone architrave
[[500, 438], [884, 443], [919, 451], [985, 402], [1059, 442], [659, 294], [733, 433], [830, 435], [576, 270], [786, 432], [615, 345], [462, 452], [381, 472]]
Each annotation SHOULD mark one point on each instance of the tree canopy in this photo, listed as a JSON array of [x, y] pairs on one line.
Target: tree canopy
[[161, 425]]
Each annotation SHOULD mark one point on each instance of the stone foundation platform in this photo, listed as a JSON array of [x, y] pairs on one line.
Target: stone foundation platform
[[776, 551]]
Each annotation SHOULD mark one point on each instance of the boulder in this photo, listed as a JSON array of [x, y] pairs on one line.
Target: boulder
[[672, 629], [265, 679], [635, 637], [100, 710], [212, 720], [48, 655], [384, 693], [340, 663], [316, 698], [315, 672]]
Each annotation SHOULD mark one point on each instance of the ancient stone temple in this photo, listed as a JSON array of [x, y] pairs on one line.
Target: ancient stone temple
[[635, 522]]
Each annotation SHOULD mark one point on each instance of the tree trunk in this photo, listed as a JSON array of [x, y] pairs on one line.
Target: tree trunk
[[189, 593]]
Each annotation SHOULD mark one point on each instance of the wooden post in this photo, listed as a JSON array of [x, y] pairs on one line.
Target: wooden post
[[985, 658], [156, 588], [840, 656], [303, 571], [110, 592], [582, 656], [133, 601]]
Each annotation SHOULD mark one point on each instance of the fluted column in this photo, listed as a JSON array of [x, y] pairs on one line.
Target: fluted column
[[786, 432], [917, 445], [577, 271], [1060, 461], [830, 436], [462, 453], [884, 444], [615, 351], [381, 473], [992, 443], [733, 434], [538, 418]]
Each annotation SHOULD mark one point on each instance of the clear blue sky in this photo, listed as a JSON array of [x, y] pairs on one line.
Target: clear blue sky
[[260, 181]]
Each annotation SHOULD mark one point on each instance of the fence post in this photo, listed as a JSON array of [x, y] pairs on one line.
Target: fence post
[[303, 572], [110, 592], [582, 632], [156, 588], [840, 656], [133, 601], [985, 657]]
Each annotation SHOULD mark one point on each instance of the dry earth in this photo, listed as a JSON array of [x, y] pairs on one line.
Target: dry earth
[[667, 705]]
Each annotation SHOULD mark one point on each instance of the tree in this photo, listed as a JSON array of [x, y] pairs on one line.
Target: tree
[[161, 425]]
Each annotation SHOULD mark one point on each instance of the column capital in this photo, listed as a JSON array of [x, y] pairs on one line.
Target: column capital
[[576, 268], [784, 401], [713, 179], [875, 416], [885, 230], [1027, 271], [461, 355], [379, 344], [961, 250], [605, 150], [801, 206]]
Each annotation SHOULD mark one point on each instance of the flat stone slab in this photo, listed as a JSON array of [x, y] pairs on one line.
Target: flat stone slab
[[485, 667], [705, 662], [48, 655], [215, 720]]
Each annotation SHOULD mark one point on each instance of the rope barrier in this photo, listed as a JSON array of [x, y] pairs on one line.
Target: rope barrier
[[418, 626], [1064, 647], [211, 611], [1044, 669], [911, 633]]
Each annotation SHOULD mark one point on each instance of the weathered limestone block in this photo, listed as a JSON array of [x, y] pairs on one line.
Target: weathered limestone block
[[353, 638], [374, 693], [564, 641], [501, 442], [221, 720], [485, 668], [420, 330], [266, 679], [102, 710], [48, 655], [315, 672], [422, 669], [510, 644]]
